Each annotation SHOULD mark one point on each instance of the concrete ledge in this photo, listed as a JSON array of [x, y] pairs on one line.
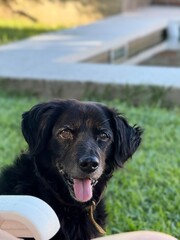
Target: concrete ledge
[[134, 84], [135, 95], [96, 73], [49, 64]]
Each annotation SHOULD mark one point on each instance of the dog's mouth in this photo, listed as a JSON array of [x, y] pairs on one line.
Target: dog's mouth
[[80, 189]]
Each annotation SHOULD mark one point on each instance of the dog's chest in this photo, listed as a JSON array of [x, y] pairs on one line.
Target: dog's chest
[[76, 225]]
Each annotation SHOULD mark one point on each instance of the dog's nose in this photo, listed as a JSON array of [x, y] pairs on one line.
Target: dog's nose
[[88, 164]]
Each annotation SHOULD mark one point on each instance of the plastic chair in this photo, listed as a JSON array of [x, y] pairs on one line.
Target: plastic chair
[[139, 235], [27, 216]]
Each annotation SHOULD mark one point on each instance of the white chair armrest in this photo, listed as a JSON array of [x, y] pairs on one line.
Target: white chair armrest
[[27, 216]]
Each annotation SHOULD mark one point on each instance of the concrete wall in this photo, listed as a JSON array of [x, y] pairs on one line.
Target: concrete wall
[[167, 2], [107, 7], [127, 5]]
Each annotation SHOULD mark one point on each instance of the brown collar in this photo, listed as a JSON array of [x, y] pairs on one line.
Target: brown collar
[[90, 210]]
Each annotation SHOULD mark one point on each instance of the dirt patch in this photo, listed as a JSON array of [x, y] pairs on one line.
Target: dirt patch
[[167, 58], [51, 13], [67, 12]]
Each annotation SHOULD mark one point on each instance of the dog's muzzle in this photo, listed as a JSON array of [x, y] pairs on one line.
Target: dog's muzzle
[[88, 164], [80, 189]]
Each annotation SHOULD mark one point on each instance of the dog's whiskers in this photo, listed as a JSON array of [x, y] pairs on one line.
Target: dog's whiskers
[[60, 168], [94, 182], [106, 120]]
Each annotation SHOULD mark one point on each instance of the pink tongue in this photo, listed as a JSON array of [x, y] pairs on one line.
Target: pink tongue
[[83, 189]]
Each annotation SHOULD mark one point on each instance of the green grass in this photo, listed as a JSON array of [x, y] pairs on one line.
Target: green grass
[[11, 141], [143, 195], [17, 30]]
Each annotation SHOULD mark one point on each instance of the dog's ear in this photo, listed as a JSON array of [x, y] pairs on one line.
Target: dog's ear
[[37, 124], [126, 139]]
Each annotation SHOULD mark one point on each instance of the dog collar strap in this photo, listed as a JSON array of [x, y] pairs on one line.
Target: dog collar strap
[[98, 227]]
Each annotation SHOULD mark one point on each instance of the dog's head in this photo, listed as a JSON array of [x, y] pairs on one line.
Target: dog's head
[[81, 142]]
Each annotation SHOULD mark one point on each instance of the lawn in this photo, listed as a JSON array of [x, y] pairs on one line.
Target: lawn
[[17, 30], [143, 195]]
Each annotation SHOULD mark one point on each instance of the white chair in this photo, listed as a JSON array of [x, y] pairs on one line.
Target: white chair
[[139, 235], [27, 216]]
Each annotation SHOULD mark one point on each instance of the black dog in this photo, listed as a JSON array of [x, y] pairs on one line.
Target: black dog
[[74, 148]]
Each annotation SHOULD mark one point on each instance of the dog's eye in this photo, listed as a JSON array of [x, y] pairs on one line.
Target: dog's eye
[[103, 136], [65, 134]]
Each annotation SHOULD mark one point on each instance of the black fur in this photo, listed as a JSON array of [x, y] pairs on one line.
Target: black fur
[[69, 140]]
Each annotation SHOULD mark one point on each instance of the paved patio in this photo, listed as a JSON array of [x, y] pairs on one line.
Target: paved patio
[[59, 56]]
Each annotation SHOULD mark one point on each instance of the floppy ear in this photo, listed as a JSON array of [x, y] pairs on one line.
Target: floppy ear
[[126, 139], [37, 124]]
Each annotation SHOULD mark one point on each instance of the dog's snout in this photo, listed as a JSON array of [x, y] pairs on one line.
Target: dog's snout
[[88, 164]]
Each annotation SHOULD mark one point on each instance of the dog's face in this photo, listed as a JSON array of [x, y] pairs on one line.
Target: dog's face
[[83, 141]]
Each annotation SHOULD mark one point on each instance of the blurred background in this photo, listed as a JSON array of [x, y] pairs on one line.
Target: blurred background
[[124, 53]]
